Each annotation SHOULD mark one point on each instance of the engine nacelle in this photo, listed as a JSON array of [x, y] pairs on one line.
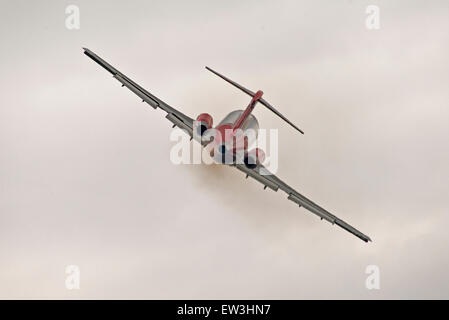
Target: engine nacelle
[[205, 122], [254, 157]]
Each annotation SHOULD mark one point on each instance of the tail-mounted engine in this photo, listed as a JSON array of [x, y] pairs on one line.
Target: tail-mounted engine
[[205, 122], [254, 158]]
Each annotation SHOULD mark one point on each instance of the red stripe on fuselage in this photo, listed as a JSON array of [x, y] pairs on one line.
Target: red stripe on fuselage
[[238, 123]]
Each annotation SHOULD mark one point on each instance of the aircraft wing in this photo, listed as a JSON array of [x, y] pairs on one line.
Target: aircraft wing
[[261, 174], [176, 117]]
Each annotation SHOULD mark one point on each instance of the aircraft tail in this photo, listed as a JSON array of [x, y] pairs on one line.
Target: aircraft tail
[[261, 100]]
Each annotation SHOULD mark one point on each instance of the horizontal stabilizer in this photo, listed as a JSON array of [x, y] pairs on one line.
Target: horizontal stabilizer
[[261, 100]]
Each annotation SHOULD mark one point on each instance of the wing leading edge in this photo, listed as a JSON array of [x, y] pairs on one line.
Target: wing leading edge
[[265, 177], [176, 117]]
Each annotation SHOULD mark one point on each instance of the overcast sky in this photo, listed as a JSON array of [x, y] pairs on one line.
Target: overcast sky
[[86, 179]]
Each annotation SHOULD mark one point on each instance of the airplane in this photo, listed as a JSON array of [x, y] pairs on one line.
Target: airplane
[[251, 164]]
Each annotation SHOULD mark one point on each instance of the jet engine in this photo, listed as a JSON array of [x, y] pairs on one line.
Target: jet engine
[[254, 158]]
